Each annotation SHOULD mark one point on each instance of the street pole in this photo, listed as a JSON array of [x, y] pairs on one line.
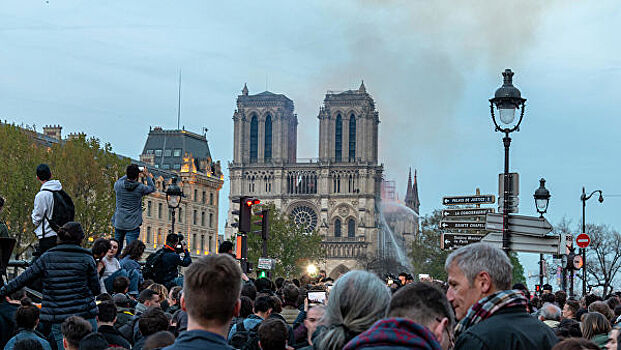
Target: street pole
[[172, 230], [506, 235], [540, 270], [584, 281]]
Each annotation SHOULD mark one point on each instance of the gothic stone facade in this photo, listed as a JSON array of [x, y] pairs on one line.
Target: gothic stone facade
[[337, 193]]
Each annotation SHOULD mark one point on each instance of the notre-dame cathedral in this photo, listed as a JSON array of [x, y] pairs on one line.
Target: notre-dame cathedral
[[337, 193]]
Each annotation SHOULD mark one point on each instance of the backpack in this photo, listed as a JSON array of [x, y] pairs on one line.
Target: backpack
[[63, 210], [244, 339], [153, 265]]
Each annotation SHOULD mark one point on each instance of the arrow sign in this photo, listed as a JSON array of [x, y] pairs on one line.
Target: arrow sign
[[463, 225], [521, 224], [528, 243], [466, 212], [452, 240], [460, 200]]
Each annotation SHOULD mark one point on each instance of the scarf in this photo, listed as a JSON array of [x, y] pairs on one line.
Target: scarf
[[489, 305]]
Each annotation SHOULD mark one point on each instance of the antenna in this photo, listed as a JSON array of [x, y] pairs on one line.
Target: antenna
[[266, 81], [179, 102]]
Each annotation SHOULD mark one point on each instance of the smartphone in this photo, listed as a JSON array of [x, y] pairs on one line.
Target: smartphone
[[141, 168], [317, 297]]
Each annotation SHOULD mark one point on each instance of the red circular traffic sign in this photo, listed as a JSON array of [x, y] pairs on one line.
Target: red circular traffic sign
[[583, 240]]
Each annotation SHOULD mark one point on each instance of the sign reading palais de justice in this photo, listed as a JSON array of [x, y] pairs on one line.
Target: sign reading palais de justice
[[478, 199]]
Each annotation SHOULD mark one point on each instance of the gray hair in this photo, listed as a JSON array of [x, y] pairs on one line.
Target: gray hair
[[357, 300], [551, 312], [475, 258]]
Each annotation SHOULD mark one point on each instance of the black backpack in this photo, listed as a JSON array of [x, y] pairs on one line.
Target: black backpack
[[153, 265], [63, 211], [245, 339]]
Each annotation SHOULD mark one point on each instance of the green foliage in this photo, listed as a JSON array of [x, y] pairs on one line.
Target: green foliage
[[86, 169], [518, 269], [288, 244], [426, 255]]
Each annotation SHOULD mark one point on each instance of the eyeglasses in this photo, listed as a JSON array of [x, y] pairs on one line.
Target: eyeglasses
[[448, 334]]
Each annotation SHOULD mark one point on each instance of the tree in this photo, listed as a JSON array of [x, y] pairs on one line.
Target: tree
[[603, 256], [86, 170], [288, 244]]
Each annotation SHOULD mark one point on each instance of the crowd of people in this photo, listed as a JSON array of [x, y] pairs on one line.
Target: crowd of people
[[104, 298]]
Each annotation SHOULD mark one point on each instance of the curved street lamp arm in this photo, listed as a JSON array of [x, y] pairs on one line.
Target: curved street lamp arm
[[586, 198]]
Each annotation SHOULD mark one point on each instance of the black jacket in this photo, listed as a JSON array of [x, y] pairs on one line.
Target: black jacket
[[170, 261], [114, 337], [199, 340], [69, 277], [511, 328]]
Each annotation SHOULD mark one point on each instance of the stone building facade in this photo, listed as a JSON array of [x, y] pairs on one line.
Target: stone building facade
[[186, 155], [337, 193]]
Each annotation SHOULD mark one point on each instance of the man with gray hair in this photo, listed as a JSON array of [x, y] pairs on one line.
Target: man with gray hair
[[550, 314], [490, 314]]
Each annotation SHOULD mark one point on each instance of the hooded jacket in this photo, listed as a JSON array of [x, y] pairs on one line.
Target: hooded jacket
[[44, 207], [128, 213], [394, 333]]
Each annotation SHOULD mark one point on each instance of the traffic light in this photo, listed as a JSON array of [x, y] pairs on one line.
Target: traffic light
[[265, 225], [244, 212], [537, 288], [262, 274]]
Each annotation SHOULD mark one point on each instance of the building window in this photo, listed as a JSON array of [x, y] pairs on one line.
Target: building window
[[204, 196], [254, 139], [211, 199], [194, 240], [194, 217], [165, 166], [177, 152], [180, 215], [148, 234], [158, 152], [177, 166], [167, 153], [352, 138], [203, 242], [268, 139], [149, 205], [169, 214], [338, 138], [195, 195], [149, 151], [210, 219], [351, 228], [159, 211], [159, 236], [203, 218], [337, 228], [209, 248]]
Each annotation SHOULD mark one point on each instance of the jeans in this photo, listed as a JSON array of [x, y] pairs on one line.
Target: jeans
[[121, 235], [56, 336]]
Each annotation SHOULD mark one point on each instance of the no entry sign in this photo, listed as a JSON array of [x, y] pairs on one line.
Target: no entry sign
[[583, 240]]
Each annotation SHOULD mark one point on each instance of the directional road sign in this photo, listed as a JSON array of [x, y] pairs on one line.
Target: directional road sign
[[452, 240], [477, 199], [552, 244], [528, 225], [466, 212], [265, 264], [463, 225], [583, 240]]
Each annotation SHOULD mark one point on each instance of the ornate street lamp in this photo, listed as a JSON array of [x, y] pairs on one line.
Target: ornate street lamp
[[584, 198], [506, 101], [542, 200], [173, 197]]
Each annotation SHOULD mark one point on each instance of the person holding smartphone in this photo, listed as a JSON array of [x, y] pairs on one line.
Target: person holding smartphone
[[129, 191]]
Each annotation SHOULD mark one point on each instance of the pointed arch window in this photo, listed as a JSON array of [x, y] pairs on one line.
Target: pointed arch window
[[254, 138], [351, 228], [352, 138], [338, 138], [337, 228], [268, 138]]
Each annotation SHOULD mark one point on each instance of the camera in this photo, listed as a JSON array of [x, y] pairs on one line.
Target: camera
[[179, 247]]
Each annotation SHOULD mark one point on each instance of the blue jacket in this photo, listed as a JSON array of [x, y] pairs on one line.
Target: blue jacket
[[27, 334], [395, 334], [199, 340], [128, 213], [170, 261], [70, 283], [249, 323]]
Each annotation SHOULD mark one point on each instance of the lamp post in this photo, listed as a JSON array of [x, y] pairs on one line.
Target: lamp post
[[173, 197], [506, 101], [584, 198], [542, 200]]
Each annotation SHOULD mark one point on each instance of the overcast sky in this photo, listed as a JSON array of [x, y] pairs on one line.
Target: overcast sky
[[109, 69]]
